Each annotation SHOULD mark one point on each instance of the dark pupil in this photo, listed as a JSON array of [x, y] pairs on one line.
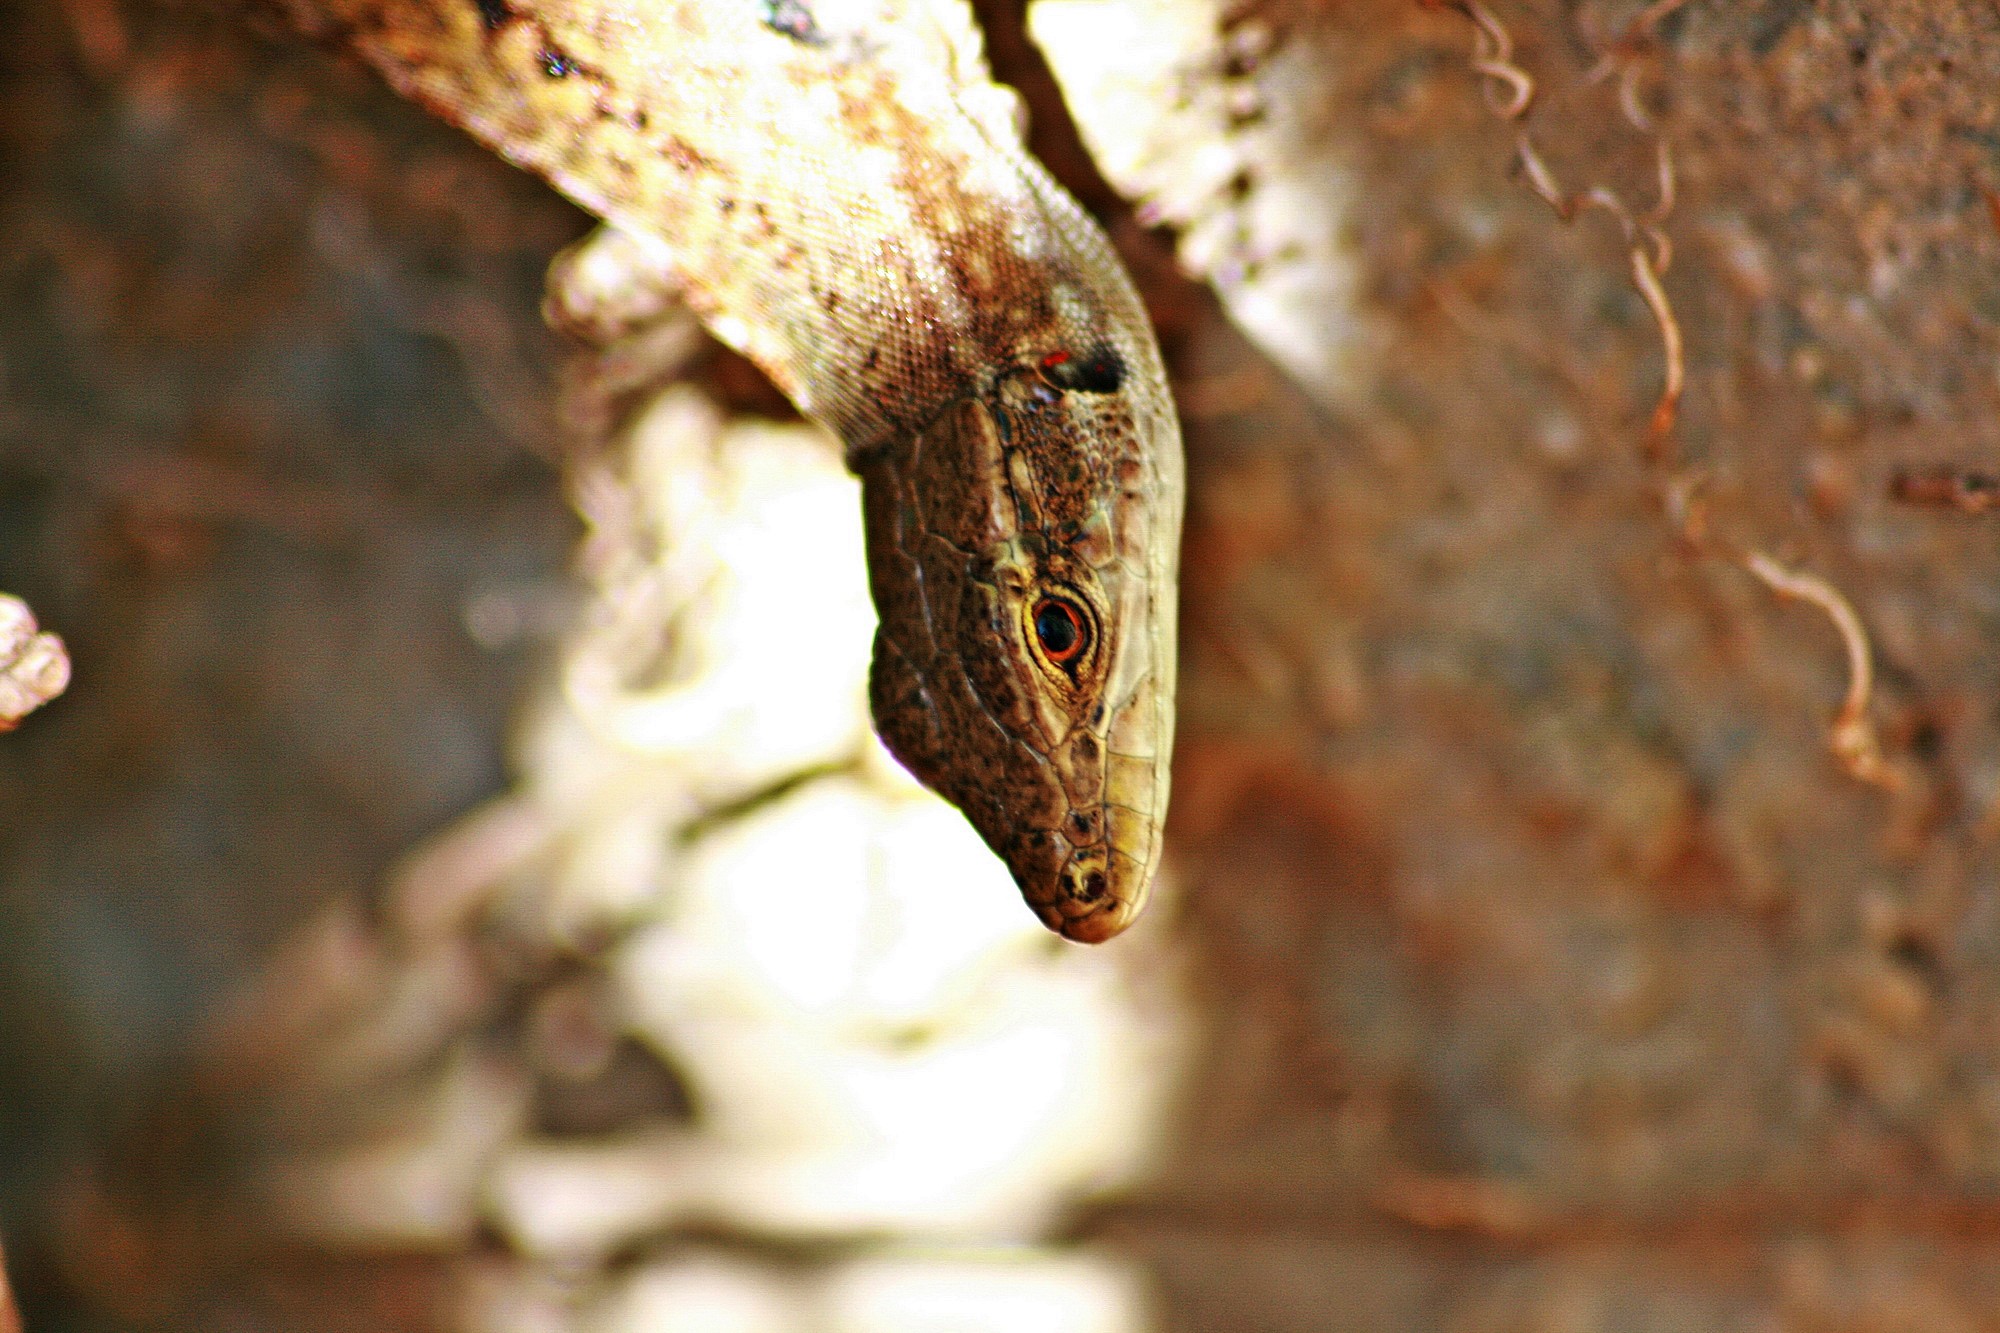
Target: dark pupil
[[1056, 626]]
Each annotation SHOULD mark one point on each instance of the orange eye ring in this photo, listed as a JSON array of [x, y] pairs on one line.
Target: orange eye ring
[[1060, 629]]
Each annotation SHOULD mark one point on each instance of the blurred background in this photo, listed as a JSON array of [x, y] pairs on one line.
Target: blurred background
[[457, 892]]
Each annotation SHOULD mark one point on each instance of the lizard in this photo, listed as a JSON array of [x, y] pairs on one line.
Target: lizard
[[846, 200]]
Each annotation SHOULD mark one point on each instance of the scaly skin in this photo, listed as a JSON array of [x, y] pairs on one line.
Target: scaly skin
[[847, 203]]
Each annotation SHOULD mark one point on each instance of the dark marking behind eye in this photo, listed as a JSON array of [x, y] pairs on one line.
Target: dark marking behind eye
[[1098, 372], [493, 13]]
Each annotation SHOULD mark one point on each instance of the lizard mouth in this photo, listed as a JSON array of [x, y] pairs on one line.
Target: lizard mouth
[[1101, 889]]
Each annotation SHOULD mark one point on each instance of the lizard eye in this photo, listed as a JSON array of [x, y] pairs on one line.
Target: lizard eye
[[1061, 629]]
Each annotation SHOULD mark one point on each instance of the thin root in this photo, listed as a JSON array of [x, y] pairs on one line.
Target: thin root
[[1647, 280], [1852, 736], [1543, 181], [1648, 247], [1605, 198], [1520, 88], [1628, 100], [1493, 58], [1650, 252]]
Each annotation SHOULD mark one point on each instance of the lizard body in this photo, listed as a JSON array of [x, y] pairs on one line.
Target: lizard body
[[846, 201]]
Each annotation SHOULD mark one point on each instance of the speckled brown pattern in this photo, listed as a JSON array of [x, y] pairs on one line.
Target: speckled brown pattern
[[1058, 758]]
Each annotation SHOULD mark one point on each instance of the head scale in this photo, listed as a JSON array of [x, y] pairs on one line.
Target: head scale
[[1021, 551]]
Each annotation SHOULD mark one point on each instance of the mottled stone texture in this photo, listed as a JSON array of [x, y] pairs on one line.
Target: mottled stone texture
[[1559, 977], [1554, 975]]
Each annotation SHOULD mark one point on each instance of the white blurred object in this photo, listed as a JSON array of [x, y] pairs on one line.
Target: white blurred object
[[876, 1045], [702, 1295], [1024, 1292], [744, 535], [34, 666], [725, 649], [1209, 123], [943, 1292]]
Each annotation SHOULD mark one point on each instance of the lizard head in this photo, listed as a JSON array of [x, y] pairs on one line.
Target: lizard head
[[1022, 552]]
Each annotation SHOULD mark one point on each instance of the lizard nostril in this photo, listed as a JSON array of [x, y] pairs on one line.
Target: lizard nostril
[[1093, 887]]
